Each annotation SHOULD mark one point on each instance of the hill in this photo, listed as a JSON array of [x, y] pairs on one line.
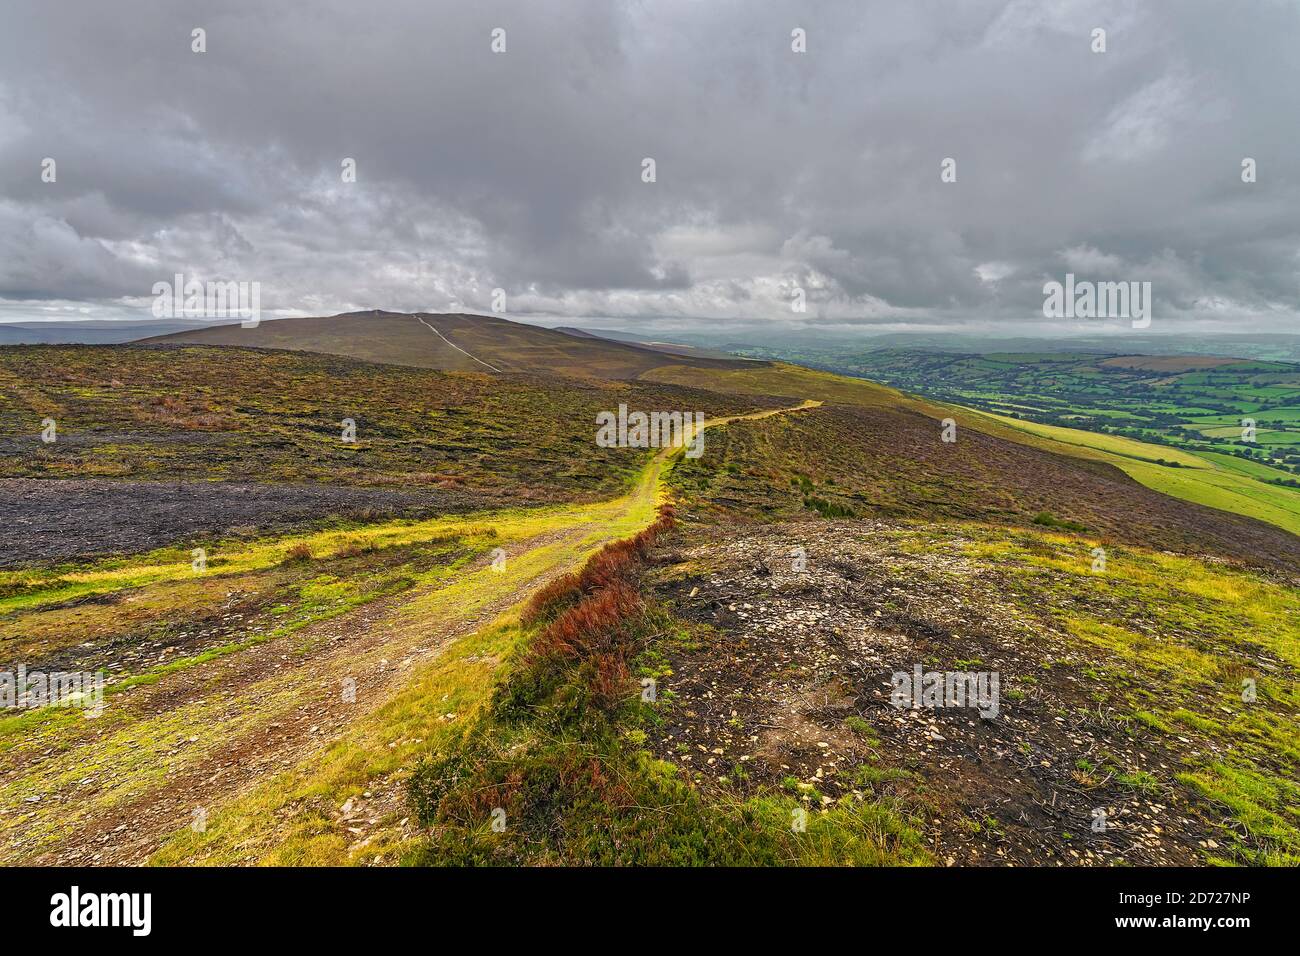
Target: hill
[[451, 342], [389, 639]]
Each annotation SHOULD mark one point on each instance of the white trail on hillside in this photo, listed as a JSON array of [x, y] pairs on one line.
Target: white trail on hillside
[[457, 347]]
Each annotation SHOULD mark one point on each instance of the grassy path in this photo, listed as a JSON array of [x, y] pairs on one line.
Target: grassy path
[[289, 748]]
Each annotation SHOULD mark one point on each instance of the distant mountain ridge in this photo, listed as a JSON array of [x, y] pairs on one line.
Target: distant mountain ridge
[[88, 332], [451, 342]]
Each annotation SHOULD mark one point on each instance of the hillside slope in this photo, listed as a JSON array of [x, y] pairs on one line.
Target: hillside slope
[[1197, 479], [451, 342]]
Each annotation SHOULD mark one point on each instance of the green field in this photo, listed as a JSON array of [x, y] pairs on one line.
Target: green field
[[1215, 480]]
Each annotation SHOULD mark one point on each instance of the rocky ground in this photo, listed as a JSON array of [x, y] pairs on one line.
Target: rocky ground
[[785, 681]]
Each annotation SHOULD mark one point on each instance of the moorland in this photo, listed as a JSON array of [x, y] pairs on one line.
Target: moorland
[[475, 635]]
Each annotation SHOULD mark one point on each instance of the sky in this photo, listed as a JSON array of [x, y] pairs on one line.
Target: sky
[[777, 173]]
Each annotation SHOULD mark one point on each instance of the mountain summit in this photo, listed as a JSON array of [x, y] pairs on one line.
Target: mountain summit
[[457, 342]]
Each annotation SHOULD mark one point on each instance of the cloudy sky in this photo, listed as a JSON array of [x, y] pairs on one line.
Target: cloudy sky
[[522, 170]]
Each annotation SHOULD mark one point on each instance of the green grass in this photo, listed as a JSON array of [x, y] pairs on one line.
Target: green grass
[[1048, 520], [1148, 398], [1200, 479], [574, 776], [127, 748], [1187, 634]]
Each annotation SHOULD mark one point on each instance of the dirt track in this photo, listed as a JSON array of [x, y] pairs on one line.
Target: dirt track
[[271, 707]]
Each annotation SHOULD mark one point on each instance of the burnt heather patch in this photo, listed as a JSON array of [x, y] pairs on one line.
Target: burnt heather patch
[[55, 521]]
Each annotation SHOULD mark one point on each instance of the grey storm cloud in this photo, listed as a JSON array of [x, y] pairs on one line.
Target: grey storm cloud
[[775, 170]]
